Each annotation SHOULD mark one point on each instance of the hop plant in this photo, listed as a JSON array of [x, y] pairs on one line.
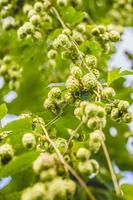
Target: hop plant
[[49, 104], [70, 187], [62, 41], [38, 191], [35, 20], [52, 54], [96, 123], [92, 115], [114, 36], [95, 165], [58, 188], [38, 6], [61, 144], [108, 93], [69, 97], [73, 84], [127, 117], [11, 72], [66, 31], [104, 37], [76, 71], [62, 2], [7, 59], [83, 154], [48, 175], [55, 102], [89, 81], [6, 153], [44, 161], [95, 140], [115, 114], [77, 36], [123, 105], [81, 27], [54, 93], [29, 140], [91, 61], [85, 168]]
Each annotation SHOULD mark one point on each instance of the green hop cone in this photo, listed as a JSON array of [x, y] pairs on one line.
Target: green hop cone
[[52, 54], [108, 93], [114, 36], [43, 162], [70, 187], [62, 3], [72, 84], [115, 115], [35, 20], [37, 191], [38, 6], [69, 97], [85, 168], [91, 61], [96, 123], [54, 93], [29, 140], [48, 175], [95, 165], [95, 140], [83, 153], [76, 71], [89, 81], [6, 153], [127, 117], [123, 105]]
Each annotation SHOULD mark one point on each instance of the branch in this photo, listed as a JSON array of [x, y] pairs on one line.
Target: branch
[[113, 175]]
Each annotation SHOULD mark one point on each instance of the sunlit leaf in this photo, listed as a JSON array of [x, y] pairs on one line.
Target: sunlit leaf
[[116, 73]]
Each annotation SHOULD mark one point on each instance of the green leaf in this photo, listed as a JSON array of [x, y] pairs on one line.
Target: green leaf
[[127, 191], [116, 74], [71, 16], [91, 47], [3, 110], [17, 128], [19, 181], [11, 196], [18, 164], [20, 125]]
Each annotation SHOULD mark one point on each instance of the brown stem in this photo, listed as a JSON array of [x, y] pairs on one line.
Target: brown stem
[[113, 175]]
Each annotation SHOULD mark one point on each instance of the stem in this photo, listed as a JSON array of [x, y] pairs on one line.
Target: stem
[[53, 9], [67, 166], [113, 175], [54, 120], [71, 137]]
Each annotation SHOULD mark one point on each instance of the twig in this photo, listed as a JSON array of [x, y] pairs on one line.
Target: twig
[[71, 137], [54, 120], [54, 10], [113, 175]]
